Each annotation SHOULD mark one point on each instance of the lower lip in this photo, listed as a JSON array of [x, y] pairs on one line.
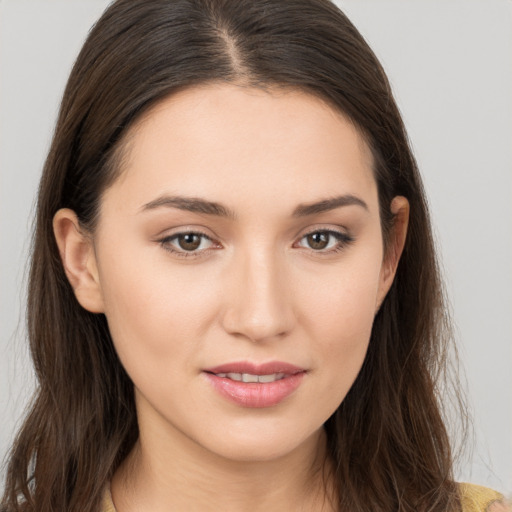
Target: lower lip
[[256, 394]]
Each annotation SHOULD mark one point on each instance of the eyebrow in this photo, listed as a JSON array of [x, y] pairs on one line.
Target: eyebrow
[[198, 205], [190, 204], [325, 205]]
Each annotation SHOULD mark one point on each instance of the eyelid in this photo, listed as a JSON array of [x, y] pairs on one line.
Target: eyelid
[[344, 239], [183, 229], [165, 242]]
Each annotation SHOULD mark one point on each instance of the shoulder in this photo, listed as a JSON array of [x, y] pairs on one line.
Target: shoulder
[[475, 498]]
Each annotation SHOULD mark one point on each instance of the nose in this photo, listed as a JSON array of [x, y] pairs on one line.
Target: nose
[[258, 304]]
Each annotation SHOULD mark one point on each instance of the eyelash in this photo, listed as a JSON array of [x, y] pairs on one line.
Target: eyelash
[[343, 240], [165, 243]]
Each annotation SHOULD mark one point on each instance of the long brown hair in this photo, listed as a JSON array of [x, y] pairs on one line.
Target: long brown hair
[[387, 439]]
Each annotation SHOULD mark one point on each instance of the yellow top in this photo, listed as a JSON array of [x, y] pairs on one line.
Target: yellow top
[[475, 498], [107, 504]]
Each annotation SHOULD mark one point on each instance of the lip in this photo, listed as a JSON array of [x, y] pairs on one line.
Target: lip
[[256, 394], [256, 369]]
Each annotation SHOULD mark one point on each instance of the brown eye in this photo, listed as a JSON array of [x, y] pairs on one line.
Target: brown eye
[[189, 241], [318, 240], [325, 241]]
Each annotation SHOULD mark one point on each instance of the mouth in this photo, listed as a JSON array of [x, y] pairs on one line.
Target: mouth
[[250, 377], [252, 385]]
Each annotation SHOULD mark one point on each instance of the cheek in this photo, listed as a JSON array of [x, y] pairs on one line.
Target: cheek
[[339, 319], [343, 327], [154, 314], [341, 304]]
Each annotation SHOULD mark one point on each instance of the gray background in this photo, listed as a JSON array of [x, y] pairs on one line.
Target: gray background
[[450, 63]]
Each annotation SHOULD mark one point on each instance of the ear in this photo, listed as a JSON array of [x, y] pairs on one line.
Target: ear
[[400, 210], [78, 259]]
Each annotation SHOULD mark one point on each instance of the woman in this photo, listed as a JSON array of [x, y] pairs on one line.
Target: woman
[[234, 298]]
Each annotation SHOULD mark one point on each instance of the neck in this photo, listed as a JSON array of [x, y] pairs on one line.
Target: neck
[[183, 476]]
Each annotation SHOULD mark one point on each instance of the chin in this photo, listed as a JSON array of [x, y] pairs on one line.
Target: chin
[[262, 444]]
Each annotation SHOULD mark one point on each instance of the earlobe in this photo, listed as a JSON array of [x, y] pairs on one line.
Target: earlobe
[[400, 210], [78, 259]]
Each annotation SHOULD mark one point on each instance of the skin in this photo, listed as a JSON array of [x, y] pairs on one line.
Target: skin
[[499, 506], [254, 290]]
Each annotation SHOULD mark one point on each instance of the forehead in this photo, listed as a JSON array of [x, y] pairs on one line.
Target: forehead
[[226, 140]]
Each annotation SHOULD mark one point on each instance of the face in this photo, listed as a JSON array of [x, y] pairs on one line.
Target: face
[[239, 261]]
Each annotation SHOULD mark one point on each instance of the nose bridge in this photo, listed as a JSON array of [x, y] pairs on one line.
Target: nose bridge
[[260, 306]]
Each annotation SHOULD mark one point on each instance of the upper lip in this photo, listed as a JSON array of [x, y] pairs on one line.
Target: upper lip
[[256, 369]]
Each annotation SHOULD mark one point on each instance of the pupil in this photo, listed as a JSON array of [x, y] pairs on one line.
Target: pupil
[[189, 242], [318, 240]]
